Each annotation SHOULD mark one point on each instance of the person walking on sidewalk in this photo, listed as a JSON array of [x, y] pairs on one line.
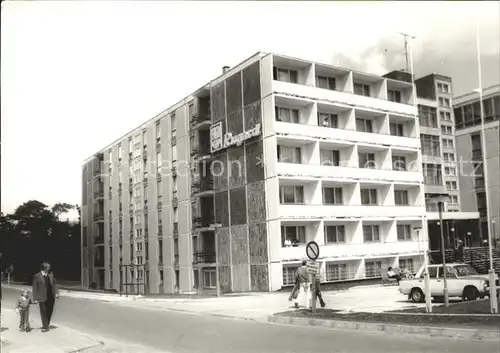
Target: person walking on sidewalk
[[301, 291], [23, 310], [44, 293]]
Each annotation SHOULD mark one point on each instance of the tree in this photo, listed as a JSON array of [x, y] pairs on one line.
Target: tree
[[60, 208]]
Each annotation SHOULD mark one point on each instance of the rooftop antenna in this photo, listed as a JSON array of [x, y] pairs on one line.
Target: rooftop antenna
[[406, 54]]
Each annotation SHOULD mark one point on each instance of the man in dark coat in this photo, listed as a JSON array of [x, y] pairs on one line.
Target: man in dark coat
[[44, 293]]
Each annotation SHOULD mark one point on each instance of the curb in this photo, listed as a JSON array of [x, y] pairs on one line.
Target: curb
[[389, 328]]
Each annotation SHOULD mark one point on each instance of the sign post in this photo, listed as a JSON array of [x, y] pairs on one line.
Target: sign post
[[312, 252]]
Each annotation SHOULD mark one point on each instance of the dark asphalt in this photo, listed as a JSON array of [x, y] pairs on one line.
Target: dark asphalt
[[181, 333]]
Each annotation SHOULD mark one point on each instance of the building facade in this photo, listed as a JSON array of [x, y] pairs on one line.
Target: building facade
[[229, 184], [473, 191]]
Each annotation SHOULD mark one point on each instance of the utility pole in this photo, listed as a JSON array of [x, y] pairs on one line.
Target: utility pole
[[406, 53]]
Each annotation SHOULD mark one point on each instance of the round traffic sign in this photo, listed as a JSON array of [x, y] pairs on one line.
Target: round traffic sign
[[312, 250]]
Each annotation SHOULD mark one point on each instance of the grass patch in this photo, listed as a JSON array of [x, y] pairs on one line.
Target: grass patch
[[473, 307], [400, 318]]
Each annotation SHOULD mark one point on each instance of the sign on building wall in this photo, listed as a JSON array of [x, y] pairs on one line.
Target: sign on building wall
[[216, 137], [218, 141]]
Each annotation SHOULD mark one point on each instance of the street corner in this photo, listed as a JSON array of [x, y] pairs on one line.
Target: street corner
[[58, 339]]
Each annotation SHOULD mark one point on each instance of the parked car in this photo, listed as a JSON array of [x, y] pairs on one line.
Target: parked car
[[462, 279]]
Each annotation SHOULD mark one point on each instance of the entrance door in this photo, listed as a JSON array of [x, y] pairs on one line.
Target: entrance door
[[100, 282]]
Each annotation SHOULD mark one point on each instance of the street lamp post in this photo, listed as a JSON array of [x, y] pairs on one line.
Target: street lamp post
[[440, 200], [491, 272]]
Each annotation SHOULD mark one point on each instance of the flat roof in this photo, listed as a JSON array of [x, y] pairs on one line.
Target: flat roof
[[473, 96]]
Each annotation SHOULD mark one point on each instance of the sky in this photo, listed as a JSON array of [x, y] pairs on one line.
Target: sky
[[77, 75]]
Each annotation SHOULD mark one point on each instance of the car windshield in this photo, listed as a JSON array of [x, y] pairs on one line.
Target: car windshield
[[465, 270]]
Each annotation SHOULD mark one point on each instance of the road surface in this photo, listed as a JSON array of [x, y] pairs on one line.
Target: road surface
[[186, 333]]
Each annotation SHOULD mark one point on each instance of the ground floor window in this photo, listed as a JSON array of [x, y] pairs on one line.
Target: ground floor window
[[289, 275], [373, 269], [407, 264], [336, 272], [209, 278]]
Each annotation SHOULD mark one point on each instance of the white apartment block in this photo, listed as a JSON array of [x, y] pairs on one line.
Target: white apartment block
[[299, 151]]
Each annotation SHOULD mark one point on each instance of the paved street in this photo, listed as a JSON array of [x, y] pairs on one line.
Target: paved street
[[182, 333]]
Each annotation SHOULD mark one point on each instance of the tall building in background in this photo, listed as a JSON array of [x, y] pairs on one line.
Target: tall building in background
[[473, 190], [230, 183]]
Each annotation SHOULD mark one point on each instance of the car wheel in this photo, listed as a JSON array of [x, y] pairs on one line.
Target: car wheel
[[417, 296], [470, 293]]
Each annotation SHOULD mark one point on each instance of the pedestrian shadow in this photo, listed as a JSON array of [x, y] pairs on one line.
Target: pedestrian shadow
[[2, 329], [52, 327]]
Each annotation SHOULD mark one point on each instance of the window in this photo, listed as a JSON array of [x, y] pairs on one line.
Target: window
[[289, 154], [209, 278], [158, 131], [453, 199], [432, 174], [446, 130], [287, 115], [137, 139], [367, 160], [430, 145], [137, 152], [476, 147], [364, 125], [174, 153], [130, 145], [451, 185], [445, 116], [369, 197], [373, 269], [332, 196], [427, 116], [444, 102], [448, 143], [362, 89], [325, 82], [394, 96], [336, 272], [399, 163], [119, 152], [489, 111], [144, 138], [443, 88], [173, 124], [334, 234], [293, 235], [330, 158], [404, 232], [158, 160], [328, 120], [401, 197], [289, 275], [450, 171], [449, 157], [285, 75], [406, 264], [138, 247], [191, 110], [396, 129], [291, 194], [433, 272]]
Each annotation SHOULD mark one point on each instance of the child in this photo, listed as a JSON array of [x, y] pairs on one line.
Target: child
[[23, 309]]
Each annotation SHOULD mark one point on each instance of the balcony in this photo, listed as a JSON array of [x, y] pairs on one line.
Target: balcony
[[347, 173], [160, 230], [290, 130], [316, 212], [99, 195], [346, 251], [99, 217], [176, 261], [342, 98], [202, 187], [204, 258], [175, 201], [159, 205], [99, 240], [175, 231], [96, 173]]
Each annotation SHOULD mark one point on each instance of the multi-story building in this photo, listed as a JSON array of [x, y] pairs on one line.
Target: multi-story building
[[473, 190], [275, 152]]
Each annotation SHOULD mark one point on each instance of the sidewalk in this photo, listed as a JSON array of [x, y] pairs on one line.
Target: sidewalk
[[58, 340]]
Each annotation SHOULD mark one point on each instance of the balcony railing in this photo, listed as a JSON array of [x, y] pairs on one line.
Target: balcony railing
[[99, 240], [204, 258], [99, 194], [98, 217], [160, 230], [176, 229], [200, 186], [97, 172], [175, 201]]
